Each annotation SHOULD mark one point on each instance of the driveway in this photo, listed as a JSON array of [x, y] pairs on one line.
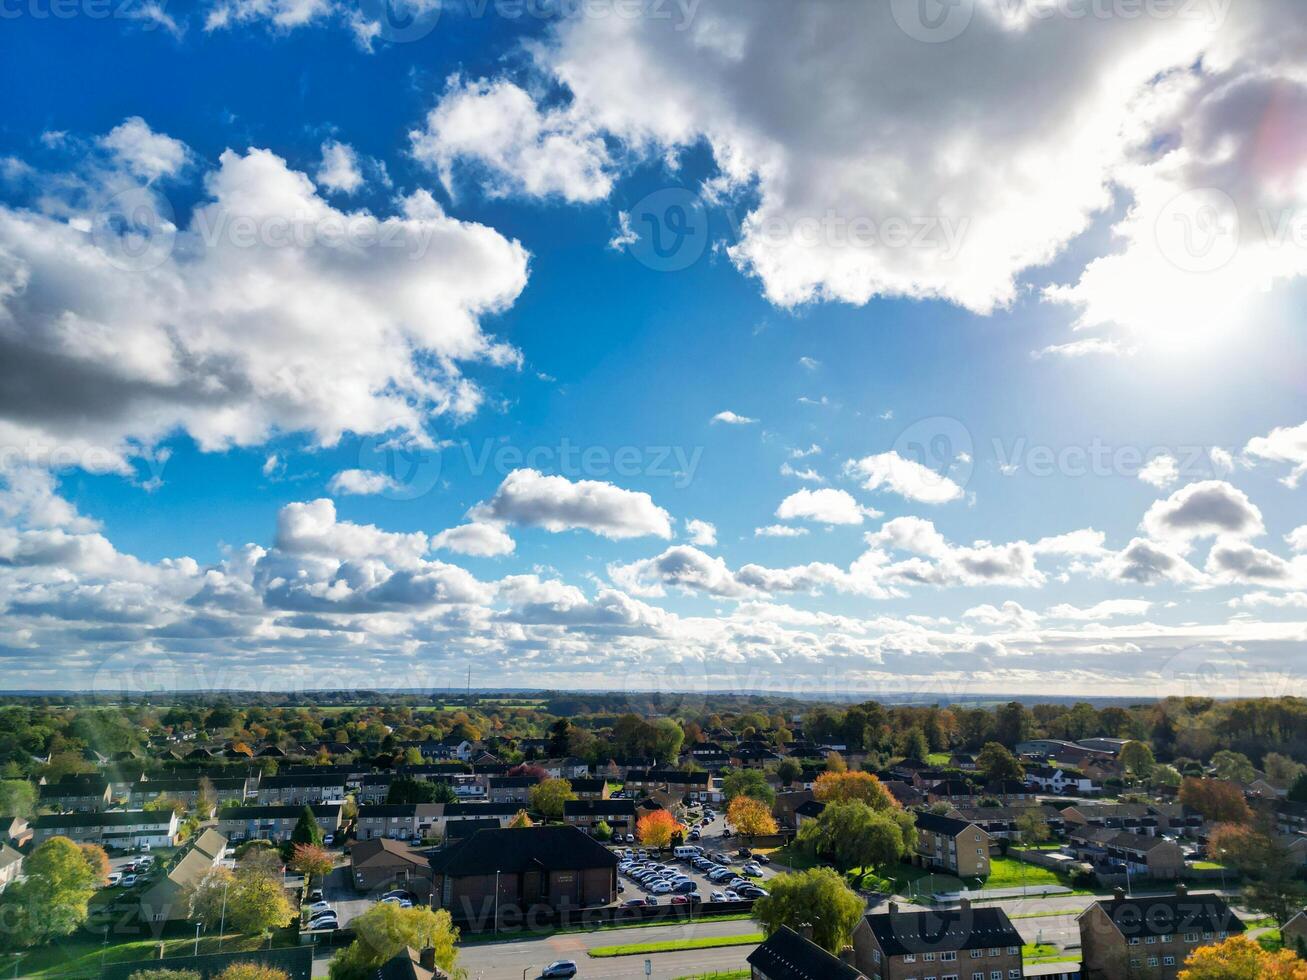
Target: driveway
[[338, 890]]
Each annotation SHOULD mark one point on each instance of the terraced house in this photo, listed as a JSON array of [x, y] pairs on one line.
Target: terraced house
[[225, 791], [966, 943], [1150, 937], [957, 846], [274, 823], [80, 793], [399, 821], [678, 782], [301, 788], [117, 829]]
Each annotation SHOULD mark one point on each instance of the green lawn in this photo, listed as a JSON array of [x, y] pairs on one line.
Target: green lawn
[[477, 939], [719, 975], [1207, 866], [937, 759], [676, 945], [1271, 940], [1005, 872], [80, 958], [1033, 953]]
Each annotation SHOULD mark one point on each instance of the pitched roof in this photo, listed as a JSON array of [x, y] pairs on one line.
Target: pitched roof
[[939, 824], [8, 856], [211, 843], [383, 851], [106, 818], [405, 965], [1159, 915], [977, 927], [277, 811], [788, 956], [592, 808], [555, 848]]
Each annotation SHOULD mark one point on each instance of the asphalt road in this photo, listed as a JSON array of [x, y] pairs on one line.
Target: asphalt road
[[502, 961]]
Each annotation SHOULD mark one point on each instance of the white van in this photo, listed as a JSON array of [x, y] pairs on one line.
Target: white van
[[684, 853]]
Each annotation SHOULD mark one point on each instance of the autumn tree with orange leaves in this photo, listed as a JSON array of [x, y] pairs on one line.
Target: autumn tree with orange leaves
[[842, 787], [658, 828], [1240, 957]]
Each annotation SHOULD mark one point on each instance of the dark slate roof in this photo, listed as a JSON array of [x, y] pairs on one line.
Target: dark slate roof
[[380, 851], [788, 956], [302, 779], [107, 818], [513, 782], [668, 776], [938, 824], [277, 812], [401, 810], [1169, 914], [977, 927], [296, 961], [457, 830], [810, 808], [591, 808], [587, 785], [515, 849], [481, 809], [405, 965]]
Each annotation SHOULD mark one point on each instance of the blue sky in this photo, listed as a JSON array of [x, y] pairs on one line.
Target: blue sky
[[986, 392]]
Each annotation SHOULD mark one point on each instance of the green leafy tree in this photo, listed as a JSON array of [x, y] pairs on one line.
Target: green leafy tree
[[252, 971], [789, 770], [1298, 791], [997, 762], [603, 831], [748, 782], [257, 903], [1165, 776], [306, 829], [913, 744], [1137, 759], [385, 929], [1033, 827], [549, 796], [164, 975], [205, 898], [17, 798], [1233, 766], [668, 739], [819, 898], [853, 835], [52, 900]]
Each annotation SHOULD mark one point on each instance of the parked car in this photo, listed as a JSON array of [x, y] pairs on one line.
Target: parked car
[[762, 859], [631, 903], [403, 903], [128, 881], [317, 907], [559, 968], [114, 878], [315, 895], [630, 838], [717, 896]]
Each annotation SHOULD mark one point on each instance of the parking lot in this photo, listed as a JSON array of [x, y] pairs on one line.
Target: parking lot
[[712, 843]]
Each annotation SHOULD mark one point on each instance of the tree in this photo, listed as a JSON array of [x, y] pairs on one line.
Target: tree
[[162, 803], [252, 971], [657, 829], [603, 831], [853, 835], [1240, 957], [1219, 802], [52, 901], [257, 903], [206, 897], [1011, 723], [840, 787], [1233, 766], [17, 798], [835, 762], [385, 929], [521, 820], [1137, 760], [1033, 827], [668, 739], [1165, 776], [819, 898], [164, 975], [751, 818], [996, 762], [548, 797], [1298, 791], [307, 830], [789, 770], [206, 797], [98, 862], [263, 860], [748, 782], [913, 744], [1281, 770], [311, 860], [1270, 881]]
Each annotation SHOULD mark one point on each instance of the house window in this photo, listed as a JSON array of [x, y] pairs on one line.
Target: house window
[[928, 957], [910, 958], [1168, 961], [1191, 937], [978, 975], [1014, 974], [977, 954], [1152, 961], [1134, 940], [1166, 937], [948, 957], [1151, 940]]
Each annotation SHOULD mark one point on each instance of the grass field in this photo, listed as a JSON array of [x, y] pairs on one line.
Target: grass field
[[487, 937], [75, 957], [1033, 953], [1007, 872], [677, 945], [720, 975]]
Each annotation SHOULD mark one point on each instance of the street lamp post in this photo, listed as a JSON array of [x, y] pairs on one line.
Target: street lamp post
[[197, 939]]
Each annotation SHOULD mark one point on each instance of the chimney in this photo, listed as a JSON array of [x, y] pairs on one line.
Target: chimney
[[1118, 894], [805, 930], [427, 958], [964, 904], [1181, 890], [893, 908], [847, 956]]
